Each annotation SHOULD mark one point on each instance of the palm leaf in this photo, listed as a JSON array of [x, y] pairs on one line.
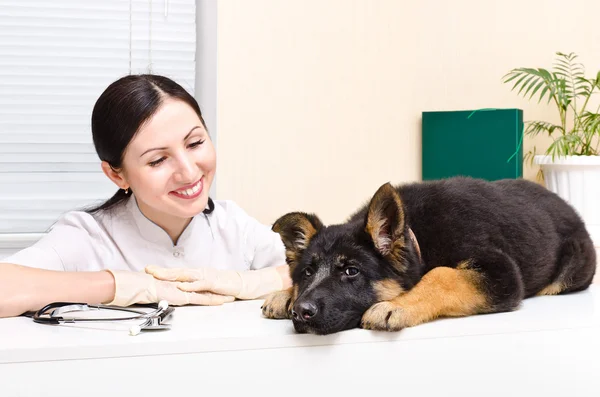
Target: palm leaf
[[529, 157], [584, 87], [537, 87], [565, 145], [546, 88], [535, 127], [597, 81], [528, 79], [569, 72], [591, 121], [590, 129], [561, 92], [531, 80], [565, 84]]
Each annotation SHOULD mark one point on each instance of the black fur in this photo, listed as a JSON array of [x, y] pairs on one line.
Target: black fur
[[518, 235]]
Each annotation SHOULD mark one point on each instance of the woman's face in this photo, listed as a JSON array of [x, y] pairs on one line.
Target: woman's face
[[170, 164]]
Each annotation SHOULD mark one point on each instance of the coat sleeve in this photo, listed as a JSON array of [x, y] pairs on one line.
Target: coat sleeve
[[262, 246], [70, 245]]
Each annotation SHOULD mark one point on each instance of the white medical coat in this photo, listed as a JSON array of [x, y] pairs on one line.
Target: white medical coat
[[123, 238]]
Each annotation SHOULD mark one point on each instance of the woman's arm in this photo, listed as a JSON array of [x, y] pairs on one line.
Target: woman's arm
[[25, 289]]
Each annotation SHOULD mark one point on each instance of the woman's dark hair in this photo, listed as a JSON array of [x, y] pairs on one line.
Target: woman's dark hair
[[121, 110]]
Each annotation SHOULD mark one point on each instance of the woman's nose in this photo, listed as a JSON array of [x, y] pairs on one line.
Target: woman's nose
[[186, 168]]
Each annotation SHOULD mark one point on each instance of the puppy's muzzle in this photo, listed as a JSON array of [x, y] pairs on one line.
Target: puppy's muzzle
[[304, 311]]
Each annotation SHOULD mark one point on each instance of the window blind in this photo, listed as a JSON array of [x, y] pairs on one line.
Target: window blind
[[56, 58]]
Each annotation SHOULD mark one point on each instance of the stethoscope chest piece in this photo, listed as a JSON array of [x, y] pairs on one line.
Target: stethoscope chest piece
[[154, 323]]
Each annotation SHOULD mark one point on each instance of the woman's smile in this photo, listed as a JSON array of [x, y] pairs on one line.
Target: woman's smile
[[189, 191]]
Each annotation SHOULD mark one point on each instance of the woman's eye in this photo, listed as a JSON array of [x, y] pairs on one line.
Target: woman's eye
[[351, 271], [308, 272], [156, 162], [196, 144]]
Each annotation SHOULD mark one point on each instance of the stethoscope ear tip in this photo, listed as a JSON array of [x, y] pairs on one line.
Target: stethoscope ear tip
[[163, 304], [135, 330]]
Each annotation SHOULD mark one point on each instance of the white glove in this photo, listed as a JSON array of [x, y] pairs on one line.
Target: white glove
[[137, 287], [249, 284]]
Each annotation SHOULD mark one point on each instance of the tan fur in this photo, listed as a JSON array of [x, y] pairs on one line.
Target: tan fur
[[375, 224], [291, 259], [307, 230], [390, 242], [553, 289], [278, 305], [443, 292], [297, 242], [387, 289], [464, 264], [302, 241], [415, 242]]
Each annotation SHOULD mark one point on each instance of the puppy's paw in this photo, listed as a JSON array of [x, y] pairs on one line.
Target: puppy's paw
[[278, 305], [384, 316]]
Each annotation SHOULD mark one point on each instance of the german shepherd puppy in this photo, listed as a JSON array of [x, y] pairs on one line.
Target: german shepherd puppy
[[421, 251]]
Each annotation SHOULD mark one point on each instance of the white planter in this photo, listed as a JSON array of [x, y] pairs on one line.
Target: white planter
[[577, 180]]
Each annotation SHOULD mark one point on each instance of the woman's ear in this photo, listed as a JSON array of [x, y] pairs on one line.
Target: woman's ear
[[115, 176]]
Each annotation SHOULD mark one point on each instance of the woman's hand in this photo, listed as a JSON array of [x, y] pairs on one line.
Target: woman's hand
[[250, 284], [138, 287]]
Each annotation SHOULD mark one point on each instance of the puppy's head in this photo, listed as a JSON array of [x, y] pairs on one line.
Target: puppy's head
[[339, 271]]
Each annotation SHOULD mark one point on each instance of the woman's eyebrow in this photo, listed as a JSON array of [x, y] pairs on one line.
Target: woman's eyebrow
[[163, 148]]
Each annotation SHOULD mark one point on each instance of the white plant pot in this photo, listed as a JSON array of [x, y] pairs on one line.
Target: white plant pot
[[577, 180]]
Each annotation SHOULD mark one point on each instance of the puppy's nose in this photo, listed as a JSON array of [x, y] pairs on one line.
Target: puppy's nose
[[304, 311]]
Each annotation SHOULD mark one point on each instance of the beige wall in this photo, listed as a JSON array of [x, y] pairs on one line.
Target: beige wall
[[319, 101]]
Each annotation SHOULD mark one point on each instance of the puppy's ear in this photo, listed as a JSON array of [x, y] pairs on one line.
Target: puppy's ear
[[385, 224], [296, 230]]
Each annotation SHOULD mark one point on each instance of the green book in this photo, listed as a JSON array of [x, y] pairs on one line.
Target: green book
[[483, 143]]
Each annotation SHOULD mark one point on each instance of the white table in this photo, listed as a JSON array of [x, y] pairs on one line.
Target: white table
[[549, 347]]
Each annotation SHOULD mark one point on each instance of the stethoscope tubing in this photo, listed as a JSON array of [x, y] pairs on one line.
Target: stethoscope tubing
[[37, 317]]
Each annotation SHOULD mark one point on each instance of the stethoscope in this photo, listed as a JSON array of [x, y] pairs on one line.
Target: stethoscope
[[153, 320]]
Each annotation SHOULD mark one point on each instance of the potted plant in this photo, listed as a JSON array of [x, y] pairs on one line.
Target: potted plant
[[570, 166]]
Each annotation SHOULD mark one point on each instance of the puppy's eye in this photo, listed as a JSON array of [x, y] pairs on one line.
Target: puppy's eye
[[351, 271], [308, 272]]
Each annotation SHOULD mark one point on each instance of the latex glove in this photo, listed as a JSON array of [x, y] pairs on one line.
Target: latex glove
[[138, 287], [249, 284]]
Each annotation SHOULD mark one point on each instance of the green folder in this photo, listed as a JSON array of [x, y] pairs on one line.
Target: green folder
[[480, 143]]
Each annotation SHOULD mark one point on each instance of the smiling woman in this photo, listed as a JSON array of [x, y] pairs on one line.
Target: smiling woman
[[154, 146], [169, 154]]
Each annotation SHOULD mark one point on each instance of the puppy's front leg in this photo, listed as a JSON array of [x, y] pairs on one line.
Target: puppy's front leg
[[442, 292], [489, 283], [278, 305]]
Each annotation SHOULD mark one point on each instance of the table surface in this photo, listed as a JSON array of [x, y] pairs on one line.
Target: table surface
[[240, 326]]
